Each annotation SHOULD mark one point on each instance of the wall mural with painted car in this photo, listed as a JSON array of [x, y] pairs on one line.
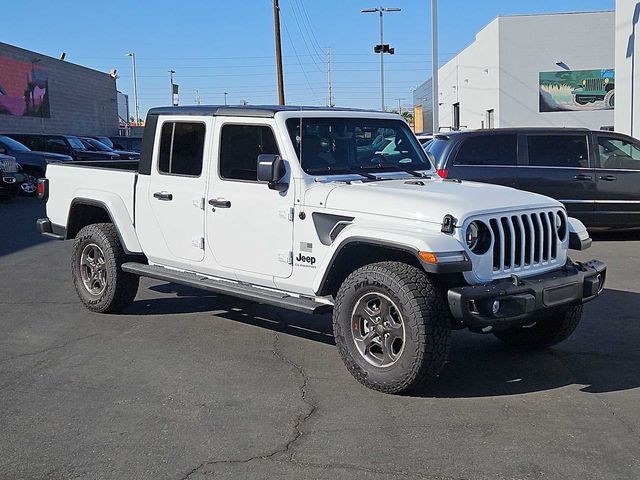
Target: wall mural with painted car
[[24, 88], [577, 90]]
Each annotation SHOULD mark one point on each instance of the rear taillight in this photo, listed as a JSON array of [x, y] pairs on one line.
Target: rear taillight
[[43, 188], [442, 172]]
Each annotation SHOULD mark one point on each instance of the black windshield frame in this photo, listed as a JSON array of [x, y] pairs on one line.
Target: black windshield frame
[[340, 144]]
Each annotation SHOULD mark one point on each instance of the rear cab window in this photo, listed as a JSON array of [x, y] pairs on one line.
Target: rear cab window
[[181, 148], [488, 150], [559, 151]]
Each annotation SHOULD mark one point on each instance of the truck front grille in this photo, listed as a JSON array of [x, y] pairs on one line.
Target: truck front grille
[[8, 166], [593, 84], [525, 241]]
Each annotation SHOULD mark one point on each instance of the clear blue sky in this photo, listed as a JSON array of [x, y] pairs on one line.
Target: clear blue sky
[[219, 46]]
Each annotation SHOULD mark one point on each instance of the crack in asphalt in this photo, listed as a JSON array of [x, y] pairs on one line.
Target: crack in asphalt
[[300, 420], [48, 349]]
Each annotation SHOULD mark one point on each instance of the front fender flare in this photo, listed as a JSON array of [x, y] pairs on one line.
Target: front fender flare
[[403, 240]]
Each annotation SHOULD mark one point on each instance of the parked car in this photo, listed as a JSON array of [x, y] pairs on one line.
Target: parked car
[[97, 146], [126, 143], [595, 174], [11, 177], [34, 164], [62, 144], [293, 209]]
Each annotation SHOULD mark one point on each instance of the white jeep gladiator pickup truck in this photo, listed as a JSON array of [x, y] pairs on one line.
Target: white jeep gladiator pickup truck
[[314, 209]]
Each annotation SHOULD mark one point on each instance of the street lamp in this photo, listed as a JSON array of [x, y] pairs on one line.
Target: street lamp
[[173, 92], [225, 97], [381, 48], [135, 87]]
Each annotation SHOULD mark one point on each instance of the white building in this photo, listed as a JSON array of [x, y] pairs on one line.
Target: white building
[[530, 70], [627, 113]]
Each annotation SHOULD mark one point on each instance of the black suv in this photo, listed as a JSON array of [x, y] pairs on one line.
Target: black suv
[[596, 174], [62, 144]]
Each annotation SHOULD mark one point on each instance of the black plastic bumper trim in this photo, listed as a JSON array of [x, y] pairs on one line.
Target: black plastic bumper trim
[[574, 284], [576, 243], [51, 230]]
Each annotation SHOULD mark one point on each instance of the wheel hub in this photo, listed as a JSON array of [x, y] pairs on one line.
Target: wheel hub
[[93, 271], [378, 329]]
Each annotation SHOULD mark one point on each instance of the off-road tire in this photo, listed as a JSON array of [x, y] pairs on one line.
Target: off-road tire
[[426, 318], [610, 98], [550, 329], [121, 287]]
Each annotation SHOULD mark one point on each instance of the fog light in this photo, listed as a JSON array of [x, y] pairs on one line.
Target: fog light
[[495, 307]]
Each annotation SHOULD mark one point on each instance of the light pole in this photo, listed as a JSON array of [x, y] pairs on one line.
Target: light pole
[[400, 105], [225, 97], [136, 105], [435, 99], [382, 48], [171, 72]]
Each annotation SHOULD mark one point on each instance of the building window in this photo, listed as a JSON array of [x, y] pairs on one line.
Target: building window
[[181, 148], [456, 116], [490, 119]]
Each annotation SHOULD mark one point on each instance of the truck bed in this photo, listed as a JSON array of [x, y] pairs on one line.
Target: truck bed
[[111, 183]]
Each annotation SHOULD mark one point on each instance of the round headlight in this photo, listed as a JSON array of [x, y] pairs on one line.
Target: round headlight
[[561, 225], [477, 237], [606, 80]]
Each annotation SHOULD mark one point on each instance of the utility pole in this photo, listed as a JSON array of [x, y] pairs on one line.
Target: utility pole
[[382, 48], [435, 98], [400, 105], [198, 99], [330, 96], [225, 97], [174, 93], [135, 87], [276, 21]]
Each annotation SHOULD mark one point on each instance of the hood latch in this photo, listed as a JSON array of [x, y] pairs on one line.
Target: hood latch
[[448, 224]]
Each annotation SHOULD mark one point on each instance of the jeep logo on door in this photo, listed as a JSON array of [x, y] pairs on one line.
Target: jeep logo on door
[[305, 260]]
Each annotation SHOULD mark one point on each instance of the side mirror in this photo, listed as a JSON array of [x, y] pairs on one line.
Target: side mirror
[[271, 169]]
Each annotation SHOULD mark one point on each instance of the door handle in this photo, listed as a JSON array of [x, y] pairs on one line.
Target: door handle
[[167, 197], [583, 177], [220, 203], [608, 178]]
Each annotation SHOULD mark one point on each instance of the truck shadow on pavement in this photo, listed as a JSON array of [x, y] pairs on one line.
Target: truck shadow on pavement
[[603, 355]]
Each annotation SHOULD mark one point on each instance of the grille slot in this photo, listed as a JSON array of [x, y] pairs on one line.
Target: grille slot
[[8, 166], [524, 241]]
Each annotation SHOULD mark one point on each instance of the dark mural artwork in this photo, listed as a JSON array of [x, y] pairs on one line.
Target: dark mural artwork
[[24, 89]]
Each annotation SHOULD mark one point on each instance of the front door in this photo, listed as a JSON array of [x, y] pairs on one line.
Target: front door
[[557, 165], [177, 186], [618, 177], [249, 226]]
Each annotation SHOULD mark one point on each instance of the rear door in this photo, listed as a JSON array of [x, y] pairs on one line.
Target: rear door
[[618, 181], [490, 158], [557, 165], [176, 190]]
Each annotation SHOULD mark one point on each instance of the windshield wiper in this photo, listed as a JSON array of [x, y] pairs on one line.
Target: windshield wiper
[[403, 169], [329, 169]]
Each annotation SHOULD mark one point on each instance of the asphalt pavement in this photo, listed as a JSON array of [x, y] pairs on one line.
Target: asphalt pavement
[[188, 384]]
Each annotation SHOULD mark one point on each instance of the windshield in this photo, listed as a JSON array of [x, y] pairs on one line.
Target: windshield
[[338, 146], [97, 145], [106, 141], [12, 145], [76, 144]]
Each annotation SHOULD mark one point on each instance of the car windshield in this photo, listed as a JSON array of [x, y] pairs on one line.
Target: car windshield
[[13, 145], [338, 146], [97, 145], [76, 143], [106, 141]]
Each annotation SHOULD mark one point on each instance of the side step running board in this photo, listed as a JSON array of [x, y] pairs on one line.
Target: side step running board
[[247, 292]]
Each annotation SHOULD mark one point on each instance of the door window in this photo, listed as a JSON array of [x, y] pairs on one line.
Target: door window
[[181, 148], [565, 151], [57, 145], [240, 146], [615, 153], [488, 150]]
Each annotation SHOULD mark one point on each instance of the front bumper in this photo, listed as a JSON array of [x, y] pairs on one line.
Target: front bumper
[[10, 183], [519, 298]]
